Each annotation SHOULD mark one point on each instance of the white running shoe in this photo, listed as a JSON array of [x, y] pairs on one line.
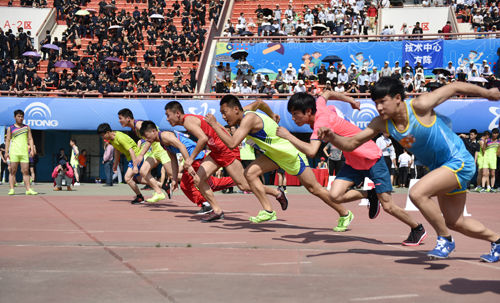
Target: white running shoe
[[76, 184]]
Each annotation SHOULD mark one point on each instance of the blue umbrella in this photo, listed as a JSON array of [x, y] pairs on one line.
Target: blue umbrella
[[51, 46], [264, 71], [224, 58], [31, 54]]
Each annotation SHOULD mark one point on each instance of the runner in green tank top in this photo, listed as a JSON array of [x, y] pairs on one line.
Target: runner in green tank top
[[73, 160], [278, 152], [18, 140]]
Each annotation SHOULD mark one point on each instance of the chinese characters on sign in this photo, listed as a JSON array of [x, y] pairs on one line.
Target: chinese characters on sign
[[429, 53]]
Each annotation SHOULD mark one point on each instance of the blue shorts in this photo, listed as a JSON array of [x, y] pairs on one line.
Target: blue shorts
[[131, 165], [378, 173], [463, 170]]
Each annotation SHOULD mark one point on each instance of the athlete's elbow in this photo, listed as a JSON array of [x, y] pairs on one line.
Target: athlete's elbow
[[232, 145]]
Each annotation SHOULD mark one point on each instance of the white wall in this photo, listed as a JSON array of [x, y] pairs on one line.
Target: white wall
[[431, 19], [30, 19]]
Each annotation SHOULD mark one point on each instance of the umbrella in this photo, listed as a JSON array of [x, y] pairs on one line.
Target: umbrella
[[115, 27], [31, 54], [91, 10], [319, 27], [477, 79], [156, 16], [114, 59], [51, 46], [267, 12], [239, 55], [441, 71], [332, 59], [264, 71], [110, 6], [224, 58], [82, 12], [268, 28], [64, 64], [246, 33]]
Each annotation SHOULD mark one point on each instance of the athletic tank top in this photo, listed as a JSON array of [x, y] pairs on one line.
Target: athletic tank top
[[491, 147], [267, 140], [214, 142], [433, 144], [188, 143], [73, 159], [19, 140]]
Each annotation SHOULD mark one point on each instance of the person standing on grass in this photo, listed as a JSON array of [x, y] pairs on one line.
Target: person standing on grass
[[416, 126]]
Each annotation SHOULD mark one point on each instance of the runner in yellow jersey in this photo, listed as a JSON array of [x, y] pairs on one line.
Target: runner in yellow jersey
[[277, 152], [73, 160], [16, 148], [152, 157]]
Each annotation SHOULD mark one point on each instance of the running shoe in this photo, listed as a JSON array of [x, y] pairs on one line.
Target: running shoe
[[262, 216], [494, 255], [477, 189], [156, 197], [76, 184], [138, 199], [443, 248], [166, 187], [493, 190], [31, 192], [374, 204], [282, 199], [344, 222], [212, 216], [416, 236], [11, 192], [57, 188], [205, 209]]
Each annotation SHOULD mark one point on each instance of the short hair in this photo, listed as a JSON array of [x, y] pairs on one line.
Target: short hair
[[18, 112], [387, 86], [473, 131], [72, 139], [174, 106], [146, 126], [231, 101], [494, 131], [125, 112], [486, 133], [103, 128], [302, 102]]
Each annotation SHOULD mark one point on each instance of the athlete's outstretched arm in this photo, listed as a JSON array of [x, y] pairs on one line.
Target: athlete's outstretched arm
[[351, 143], [263, 106], [193, 126], [310, 149], [331, 95], [238, 136], [426, 102]]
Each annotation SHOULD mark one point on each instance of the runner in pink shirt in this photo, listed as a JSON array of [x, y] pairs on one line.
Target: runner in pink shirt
[[364, 161]]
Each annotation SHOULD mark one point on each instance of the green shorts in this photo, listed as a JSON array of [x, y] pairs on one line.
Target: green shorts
[[159, 154], [489, 161], [19, 158], [292, 164]]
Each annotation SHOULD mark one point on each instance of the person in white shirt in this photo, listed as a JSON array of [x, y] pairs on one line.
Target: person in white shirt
[[374, 76], [294, 71], [404, 161], [396, 66], [234, 88], [451, 69], [363, 77], [241, 19], [343, 77], [483, 66], [289, 11], [289, 77], [245, 89], [339, 87], [240, 27], [331, 74], [385, 145], [418, 80], [277, 13], [486, 71], [300, 87], [309, 17], [386, 71], [349, 70]]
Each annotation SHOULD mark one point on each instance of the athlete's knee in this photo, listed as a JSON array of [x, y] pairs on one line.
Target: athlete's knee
[[416, 196], [336, 196], [314, 189], [454, 224], [388, 207]]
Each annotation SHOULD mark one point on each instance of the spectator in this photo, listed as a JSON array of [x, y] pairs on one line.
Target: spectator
[[322, 164], [107, 161], [62, 175], [405, 162]]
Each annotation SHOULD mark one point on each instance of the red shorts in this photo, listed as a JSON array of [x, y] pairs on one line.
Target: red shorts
[[225, 159]]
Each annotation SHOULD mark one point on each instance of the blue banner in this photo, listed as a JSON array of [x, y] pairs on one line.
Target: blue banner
[[276, 56], [428, 53], [87, 114]]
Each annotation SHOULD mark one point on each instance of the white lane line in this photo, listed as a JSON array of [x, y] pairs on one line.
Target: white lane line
[[285, 263], [212, 243], [384, 297]]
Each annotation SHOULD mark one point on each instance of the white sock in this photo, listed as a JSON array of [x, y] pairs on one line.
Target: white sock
[[206, 203]]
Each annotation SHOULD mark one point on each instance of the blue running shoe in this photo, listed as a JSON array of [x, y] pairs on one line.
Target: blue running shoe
[[443, 248], [494, 255]]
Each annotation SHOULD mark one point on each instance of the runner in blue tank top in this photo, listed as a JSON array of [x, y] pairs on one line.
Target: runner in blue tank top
[[417, 127]]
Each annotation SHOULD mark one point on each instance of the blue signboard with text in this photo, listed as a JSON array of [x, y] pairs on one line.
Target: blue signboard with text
[[428, 53]]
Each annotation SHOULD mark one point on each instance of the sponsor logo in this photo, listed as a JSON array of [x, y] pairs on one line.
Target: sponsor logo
[[38, 114], [495, 111], [201, 110], [364, 115]]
